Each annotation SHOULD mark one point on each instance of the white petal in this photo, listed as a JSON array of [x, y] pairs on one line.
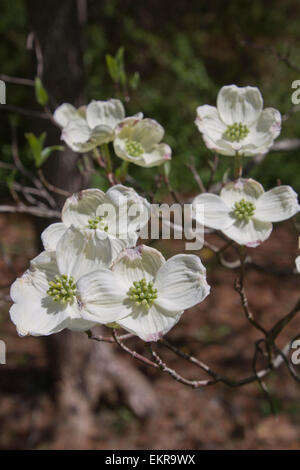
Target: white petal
[[209, 123], [119, 144], [101, 135], [80, 252], [278, 204], [43, 268], [137, 263], [149, 325], [247, 189], [77, 135], [148, 132], [221, 146], [133, 210], [103, 297], [239, 104], [82, 206], [216, 212], [181, 283], [157, 156], [262, 133], [34, 314], [251, 233], [65, 113], [51, 235], [298, 264], [105, 247], [108, 113]]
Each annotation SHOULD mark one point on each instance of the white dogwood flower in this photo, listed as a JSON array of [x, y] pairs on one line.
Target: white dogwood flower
[[139, 141], [238, 124], [244, 212], [109, 221], [91, 126], [46, 297], [145, 292]]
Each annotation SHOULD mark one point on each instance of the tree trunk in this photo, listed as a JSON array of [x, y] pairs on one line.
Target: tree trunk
[[85, 371]]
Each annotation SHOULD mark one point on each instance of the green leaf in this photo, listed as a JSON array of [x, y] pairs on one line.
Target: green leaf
[[112, 67], [121, 66], [36, 145], [40, 92], [134, 81]]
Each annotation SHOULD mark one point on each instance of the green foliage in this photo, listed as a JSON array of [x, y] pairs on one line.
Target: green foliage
[[40, 92], [37, 152]]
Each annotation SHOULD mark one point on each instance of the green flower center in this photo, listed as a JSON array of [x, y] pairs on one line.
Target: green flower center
[[142, 293], [62, 289], [244, 210], [97, 222], [134, 148], [236, 132]]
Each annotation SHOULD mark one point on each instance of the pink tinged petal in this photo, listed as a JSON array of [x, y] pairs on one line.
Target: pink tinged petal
[[181, 283], [247, 189], [269, 122], [278, 204], [149, 325], [220, 146], [251, 233], [155, 157], [137, 263], [237, 104], [215, 213], [82, 206], [262, 133]]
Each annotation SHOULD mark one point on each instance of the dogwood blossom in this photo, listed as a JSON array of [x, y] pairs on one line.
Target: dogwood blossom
[[143, 293], [238, 124], [46, 297], [108, 221], [244, 212], [90, 126], [139, 141]]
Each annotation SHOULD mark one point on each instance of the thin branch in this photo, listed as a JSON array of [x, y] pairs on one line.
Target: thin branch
[[33, 210], [197, 178], [132, 353], [17, 80], [191, 383], [23, 111], [51, 187]]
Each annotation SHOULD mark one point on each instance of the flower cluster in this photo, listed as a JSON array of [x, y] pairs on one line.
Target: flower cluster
[[135, 139], [92, 272]]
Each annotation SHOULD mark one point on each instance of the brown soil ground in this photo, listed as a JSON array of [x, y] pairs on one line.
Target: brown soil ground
[[216, 331]]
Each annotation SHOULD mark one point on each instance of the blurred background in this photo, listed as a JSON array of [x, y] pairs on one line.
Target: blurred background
[[66, 392]]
